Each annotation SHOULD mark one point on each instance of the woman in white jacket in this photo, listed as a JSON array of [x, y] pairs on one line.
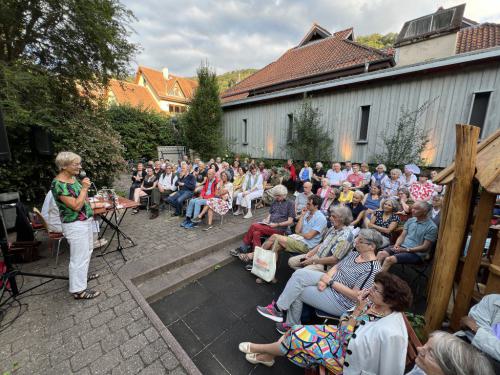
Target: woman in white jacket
[[252, 188], [371, 339]]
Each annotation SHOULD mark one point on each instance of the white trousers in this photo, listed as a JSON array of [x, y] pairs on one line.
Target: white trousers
[[81, 243], [247, 200]]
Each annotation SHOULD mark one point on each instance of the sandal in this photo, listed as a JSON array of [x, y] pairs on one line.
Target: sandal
[[249, 266], [87, 294], [208, 228], [245, 257], [93, 276], [235, 252]]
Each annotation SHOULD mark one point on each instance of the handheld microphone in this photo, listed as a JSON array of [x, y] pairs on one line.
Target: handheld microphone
[[82, 175]]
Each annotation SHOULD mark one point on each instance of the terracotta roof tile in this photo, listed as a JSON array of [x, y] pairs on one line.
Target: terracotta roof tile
[[482, 36], [333, 53], [161, 86], [132, 94]]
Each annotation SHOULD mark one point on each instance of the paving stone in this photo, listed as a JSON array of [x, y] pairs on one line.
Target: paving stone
[[85, 357], [109, 303], [153, 351], [76, 331], [106, 363], [154, 369], [125, 307], [94, 335], [138, 326], [177, 371], [87, 313], [115, 290], [61, 325], [62, 368], [131, 366], [114, 340], [125, 296], [66, 351], [133, 346], [137, 313], [151, 334], [102, 318], [120, 322], [169, 360], [83, 371]]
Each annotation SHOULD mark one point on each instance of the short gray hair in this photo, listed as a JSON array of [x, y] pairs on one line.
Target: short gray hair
[[373, 236], [65, 158], [359, 193], [425, 205], [320, 164], [281, 190], [343, 213], [456, 357], [394, 202]]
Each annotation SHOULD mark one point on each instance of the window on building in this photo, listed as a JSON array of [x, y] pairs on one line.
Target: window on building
[[479, 109], [177, 109], [170, 108], [289, 134], [433, 22], [363, 123], [245, 131]]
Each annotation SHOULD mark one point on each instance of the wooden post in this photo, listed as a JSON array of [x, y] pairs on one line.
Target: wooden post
[[452, 234], [473, 259]]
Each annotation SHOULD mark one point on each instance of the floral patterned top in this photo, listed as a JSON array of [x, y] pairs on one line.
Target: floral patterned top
[[66, 189]]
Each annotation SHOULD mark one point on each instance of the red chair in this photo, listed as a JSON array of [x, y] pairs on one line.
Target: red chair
[[52, 236]]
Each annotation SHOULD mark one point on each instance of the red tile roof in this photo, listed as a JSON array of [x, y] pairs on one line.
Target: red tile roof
[[132, 94], [161, 86], [333, 53], [482, 36]]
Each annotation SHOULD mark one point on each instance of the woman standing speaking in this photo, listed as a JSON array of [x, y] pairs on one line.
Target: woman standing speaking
[[76, 218]]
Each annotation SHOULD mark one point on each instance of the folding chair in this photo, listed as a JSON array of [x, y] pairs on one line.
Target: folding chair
[[52, 236]]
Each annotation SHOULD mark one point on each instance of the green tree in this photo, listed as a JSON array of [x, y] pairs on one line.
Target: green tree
[[404, 141], [202, 124], [141, 130], [378, 41], [310, 140]]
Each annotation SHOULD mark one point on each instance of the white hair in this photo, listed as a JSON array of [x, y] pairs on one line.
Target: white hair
[[65, 158]]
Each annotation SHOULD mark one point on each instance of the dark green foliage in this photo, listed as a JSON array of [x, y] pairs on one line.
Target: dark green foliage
[[141, 131], [230, 79], [202, 124], [378, 41], [310, 141], [405, 141]]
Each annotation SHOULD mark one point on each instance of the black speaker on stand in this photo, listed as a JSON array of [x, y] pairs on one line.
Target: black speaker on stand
[[4, 142], [41, 140]]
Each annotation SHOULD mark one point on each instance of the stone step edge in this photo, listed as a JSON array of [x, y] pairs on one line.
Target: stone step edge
[[173, 263], [156, 288]]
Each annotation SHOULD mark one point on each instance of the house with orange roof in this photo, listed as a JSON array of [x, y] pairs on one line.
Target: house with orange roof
[[154, 90], [443, 58]]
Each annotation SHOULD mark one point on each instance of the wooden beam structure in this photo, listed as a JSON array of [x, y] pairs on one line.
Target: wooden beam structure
[[493, 284], [480, 228], [451, 238]]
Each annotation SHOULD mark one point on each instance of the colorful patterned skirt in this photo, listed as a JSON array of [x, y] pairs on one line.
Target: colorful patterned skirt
[[313, 345], [220, 206]]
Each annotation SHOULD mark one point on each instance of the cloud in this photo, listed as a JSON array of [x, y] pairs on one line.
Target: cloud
[[236, 34]]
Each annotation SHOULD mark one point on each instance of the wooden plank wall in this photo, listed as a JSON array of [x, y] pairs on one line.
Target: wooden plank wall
[[452, 93]]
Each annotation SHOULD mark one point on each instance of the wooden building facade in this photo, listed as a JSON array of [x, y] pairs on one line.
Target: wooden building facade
[[358, 109]]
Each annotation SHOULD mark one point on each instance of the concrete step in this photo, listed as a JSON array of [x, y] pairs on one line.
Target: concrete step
[[179, 275]]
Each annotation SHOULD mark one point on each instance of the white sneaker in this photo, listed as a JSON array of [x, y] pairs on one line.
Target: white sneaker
[[100, 243], [238, 212], [248, 215]]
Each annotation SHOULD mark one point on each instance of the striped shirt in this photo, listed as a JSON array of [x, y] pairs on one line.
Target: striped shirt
[[354, 275]]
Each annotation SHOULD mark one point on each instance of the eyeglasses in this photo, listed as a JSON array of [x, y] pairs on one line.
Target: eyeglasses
[[374, 288], [360, 240]]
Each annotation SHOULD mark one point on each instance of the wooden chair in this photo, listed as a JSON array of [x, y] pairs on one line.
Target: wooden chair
[[52, 236]]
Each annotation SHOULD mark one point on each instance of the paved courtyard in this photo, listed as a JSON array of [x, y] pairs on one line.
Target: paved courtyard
[[116, 333]]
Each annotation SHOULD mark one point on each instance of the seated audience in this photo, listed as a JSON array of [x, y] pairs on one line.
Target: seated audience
[[423, 189], [373, 200], [337, 242], [357, 209], [193, 210], [367, 175], [238, 180], [302, 198], [324, 189], [391, 184], [331, 201], [379, 175], [186, 183], [281, 215], [408, 177], [305, 175], [290, 183], [227, 168], [356, 178], [405, 202], [264, 172], [334, 292], [269, 188], [137, 177], [218, 162], [317, 176], [481, 327], [235, 167], [370, 339], [385, 220], [335, 175], [221, 203], [437, 203], [148, 184], [252, 188], [445, 354], [416, 240], [308, 231], [166, 186], [346, 193], [438, 189], [347, 168], [157, 169]]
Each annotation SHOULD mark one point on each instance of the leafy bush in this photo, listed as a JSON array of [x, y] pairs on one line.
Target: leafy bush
[[142, 131], [310, 140]]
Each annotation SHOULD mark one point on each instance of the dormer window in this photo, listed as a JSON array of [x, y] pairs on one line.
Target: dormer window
[[427, 24]]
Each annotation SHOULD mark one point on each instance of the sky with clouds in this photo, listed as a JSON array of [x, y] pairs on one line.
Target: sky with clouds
[[237, 34]]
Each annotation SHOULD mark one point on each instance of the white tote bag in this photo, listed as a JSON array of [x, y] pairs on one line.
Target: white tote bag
[[264, 263]]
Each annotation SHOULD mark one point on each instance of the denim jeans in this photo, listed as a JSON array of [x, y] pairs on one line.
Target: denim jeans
[[178, 199], [194, 207]]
